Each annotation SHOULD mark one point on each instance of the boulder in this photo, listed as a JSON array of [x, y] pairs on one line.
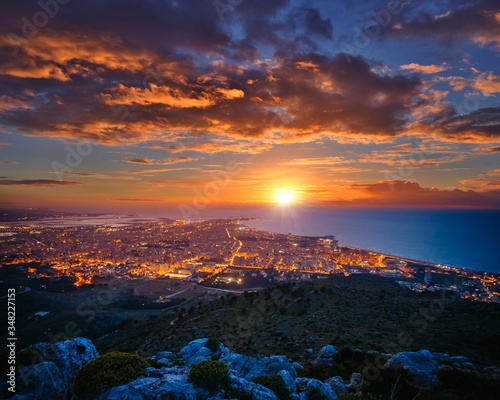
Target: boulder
[[41, 381], [251, 367], [287, 378], [326, 355], [442, 358], [328, 352], [325, 389], [164, 354], [196, 351], [59, 364], [164, 358], [355, 383], [337, 384], [421, 365], [69, 355], [192, 348], [258, 392], [296, 365], [174, 387]]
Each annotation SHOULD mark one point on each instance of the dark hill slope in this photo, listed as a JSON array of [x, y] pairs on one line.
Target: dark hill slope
[[360, 311]]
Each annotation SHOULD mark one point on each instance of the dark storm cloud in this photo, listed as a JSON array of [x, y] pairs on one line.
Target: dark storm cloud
[[478, 21]]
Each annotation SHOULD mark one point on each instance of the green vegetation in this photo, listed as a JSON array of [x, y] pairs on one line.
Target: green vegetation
[[275, 383], [27, 357], [209, 374], [359, 311], [346, 363], [212, 344], [469, 384], [239, 394], [313, 393], [107, 371]]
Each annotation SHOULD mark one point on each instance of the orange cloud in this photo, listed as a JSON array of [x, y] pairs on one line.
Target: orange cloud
[[425, 69]]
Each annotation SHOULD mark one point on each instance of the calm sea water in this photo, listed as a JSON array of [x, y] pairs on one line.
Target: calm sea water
[[459, 238]]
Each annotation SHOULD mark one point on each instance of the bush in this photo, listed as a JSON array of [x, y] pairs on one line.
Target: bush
[[345, 353], [209, 374], [212, 344], [389, 378], [313, 393], [107, 371], [27, 357], [275, 383], [239, 394], [469, 384]]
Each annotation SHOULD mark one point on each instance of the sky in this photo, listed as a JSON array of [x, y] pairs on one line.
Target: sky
[[122, 105]]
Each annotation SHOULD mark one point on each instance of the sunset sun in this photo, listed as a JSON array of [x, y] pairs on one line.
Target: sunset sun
[[285, 197]]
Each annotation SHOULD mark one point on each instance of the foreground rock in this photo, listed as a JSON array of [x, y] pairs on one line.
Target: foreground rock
[[56, 365], [421, 365], [169, 386], [251, 367], [197, 351]]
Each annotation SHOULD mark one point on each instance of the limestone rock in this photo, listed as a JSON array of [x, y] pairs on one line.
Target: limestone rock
[[421, 365], [251, 367]]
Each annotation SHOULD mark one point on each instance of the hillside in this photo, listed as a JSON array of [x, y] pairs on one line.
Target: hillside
[[359, 311]]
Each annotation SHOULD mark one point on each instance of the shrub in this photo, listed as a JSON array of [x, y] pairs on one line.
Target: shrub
[[209, 374], [345, 353], [27, 357], [107, 371], [313, 393], [469, 383], [275, 383], [212, 344], [388, 379], [239, 394]]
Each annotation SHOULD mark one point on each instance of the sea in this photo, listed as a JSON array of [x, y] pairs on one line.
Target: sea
[[456, 238]]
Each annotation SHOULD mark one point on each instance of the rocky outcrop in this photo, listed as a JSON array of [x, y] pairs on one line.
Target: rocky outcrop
[[251, 367], [165, 358], [57, 365], [421, 365], [42, 381], [258, 392], [337, 384], [52, 377], [196, 351], [289, 381], [169, 386], [303, 384], [326, 355]]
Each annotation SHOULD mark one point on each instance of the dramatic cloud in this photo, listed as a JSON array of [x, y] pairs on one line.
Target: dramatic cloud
[[412, 194], [477, 21]]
